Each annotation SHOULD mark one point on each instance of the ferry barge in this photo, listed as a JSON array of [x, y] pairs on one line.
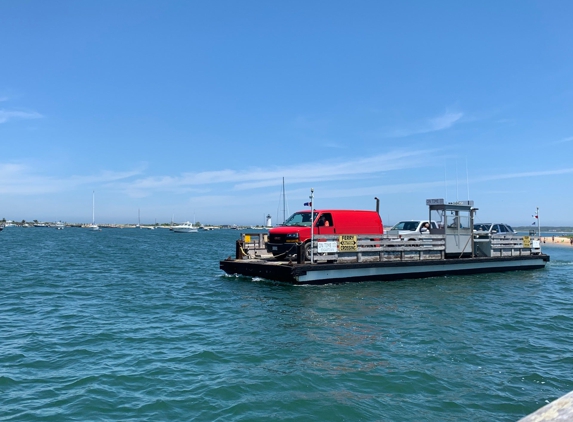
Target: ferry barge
[[453, 248]]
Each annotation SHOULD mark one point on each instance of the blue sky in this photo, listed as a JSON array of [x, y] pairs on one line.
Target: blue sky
[[191, 109]]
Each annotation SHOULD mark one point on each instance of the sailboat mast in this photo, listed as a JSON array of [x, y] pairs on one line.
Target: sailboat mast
[[93, 207]]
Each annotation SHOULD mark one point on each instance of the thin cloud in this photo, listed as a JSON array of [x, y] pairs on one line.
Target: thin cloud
[[431, 185], [20, 179], [564, 140], [6, 115], [445, 121], [396, 188], [525, 174], [256, 178]]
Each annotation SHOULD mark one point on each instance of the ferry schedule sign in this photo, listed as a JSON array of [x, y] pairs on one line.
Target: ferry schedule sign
[[347, 243]]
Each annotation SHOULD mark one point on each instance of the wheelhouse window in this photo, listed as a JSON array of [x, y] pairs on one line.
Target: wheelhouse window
[[459, 220]]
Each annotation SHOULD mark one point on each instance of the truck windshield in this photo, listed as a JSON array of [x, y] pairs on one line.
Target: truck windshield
[[300, 219]]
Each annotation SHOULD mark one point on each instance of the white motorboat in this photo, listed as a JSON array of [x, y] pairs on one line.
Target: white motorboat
[[184, 228]]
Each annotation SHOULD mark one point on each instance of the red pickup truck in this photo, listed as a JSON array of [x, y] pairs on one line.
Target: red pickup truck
[[283, 241]]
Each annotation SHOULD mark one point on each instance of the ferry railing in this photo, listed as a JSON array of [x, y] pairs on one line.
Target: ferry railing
[[374, 248], [251, 246], [499, 245], [410, 248], [503, 245]]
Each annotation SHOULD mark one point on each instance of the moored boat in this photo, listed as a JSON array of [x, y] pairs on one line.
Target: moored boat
[[59, 225], [186, 227], [93, 226]]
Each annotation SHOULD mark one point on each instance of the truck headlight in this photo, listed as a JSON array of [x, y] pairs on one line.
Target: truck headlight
[[292, 237]]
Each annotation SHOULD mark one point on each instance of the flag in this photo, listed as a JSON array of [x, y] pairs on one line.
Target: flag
[[308, 204], [533, 224]]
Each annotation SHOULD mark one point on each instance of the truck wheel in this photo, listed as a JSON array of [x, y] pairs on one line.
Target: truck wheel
[[307, 251], [415, 245]]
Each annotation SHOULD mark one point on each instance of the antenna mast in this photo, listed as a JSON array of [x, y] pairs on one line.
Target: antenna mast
[[467, 179], [457, 191], [311, 226], [446, 179], [538, 223]]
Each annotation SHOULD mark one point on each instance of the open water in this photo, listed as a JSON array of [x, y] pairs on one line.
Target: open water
[[139, 325]]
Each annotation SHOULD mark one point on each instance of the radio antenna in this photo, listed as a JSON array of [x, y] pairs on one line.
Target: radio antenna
[[467, 178], [446, 179], [457, 183]]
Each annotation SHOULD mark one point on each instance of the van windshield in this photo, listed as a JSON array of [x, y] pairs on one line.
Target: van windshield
[[300, 219]]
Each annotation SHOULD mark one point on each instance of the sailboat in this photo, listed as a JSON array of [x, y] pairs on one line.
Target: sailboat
[[139, 226], [93, 226]]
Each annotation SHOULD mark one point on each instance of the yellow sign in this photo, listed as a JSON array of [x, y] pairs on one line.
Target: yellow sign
[[347, 243], [247, 238], [526, 242]]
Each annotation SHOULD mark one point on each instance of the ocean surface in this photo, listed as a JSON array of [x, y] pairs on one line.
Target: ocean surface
[[141, 325]]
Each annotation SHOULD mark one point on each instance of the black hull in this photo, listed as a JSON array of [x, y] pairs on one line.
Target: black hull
[[379, 271]]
